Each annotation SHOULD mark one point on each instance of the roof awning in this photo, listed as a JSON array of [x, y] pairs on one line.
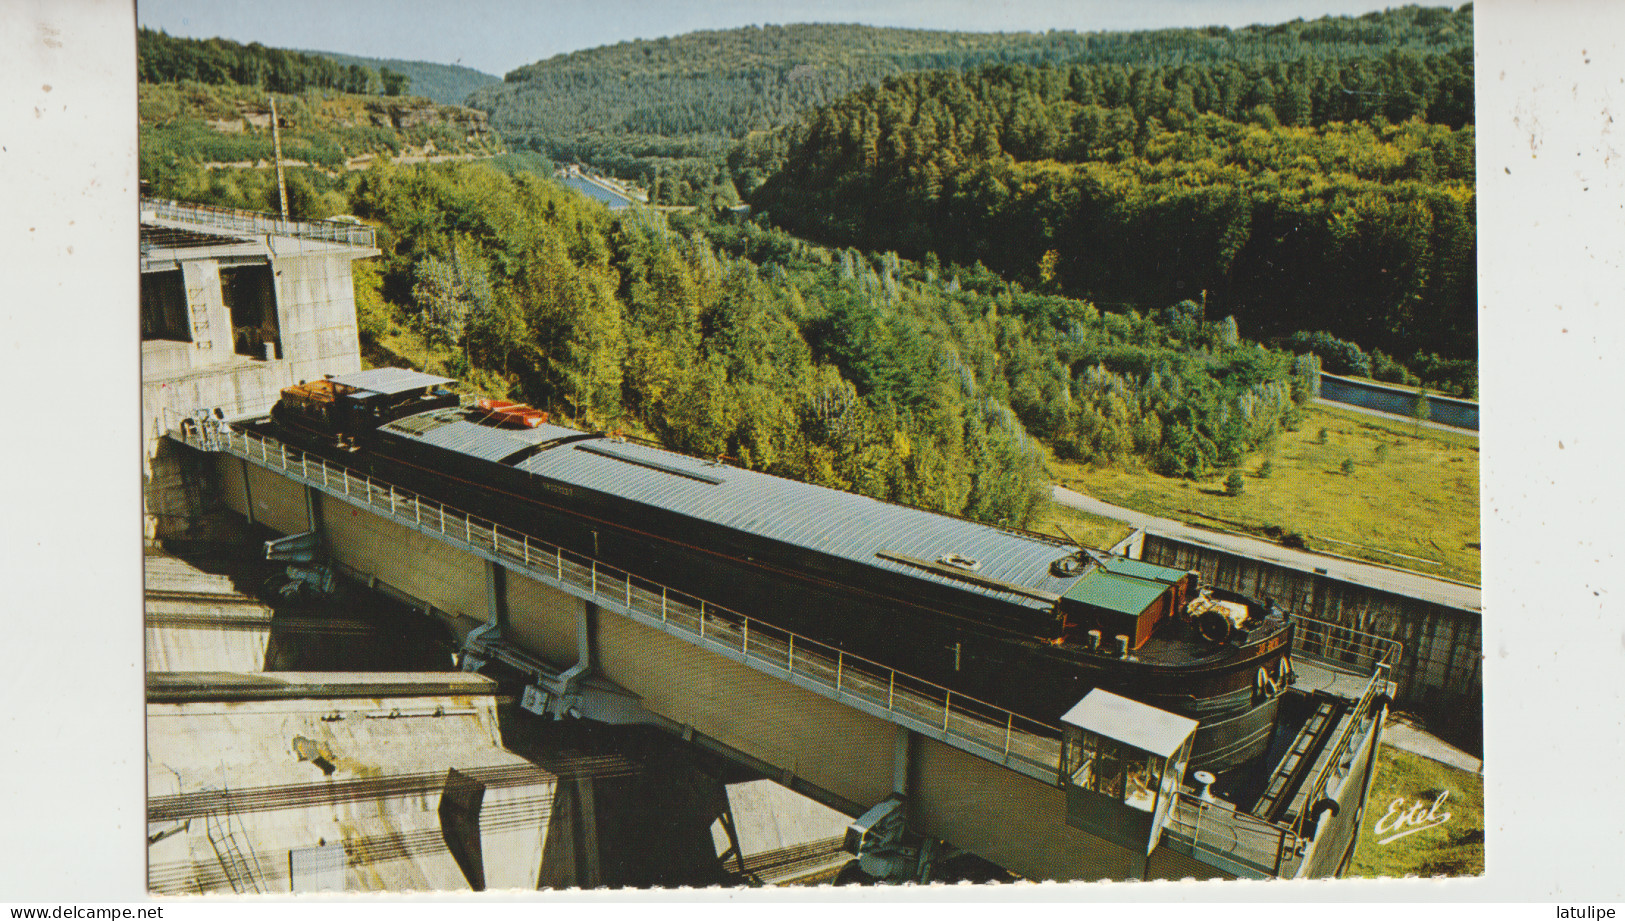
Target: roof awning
[[390, 380], [1141, 725]]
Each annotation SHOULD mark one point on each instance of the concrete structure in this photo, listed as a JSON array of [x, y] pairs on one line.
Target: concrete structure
[[234, 307], [307, 782], [1398, 402], [1438, 622], [589, 641], [266, 782], [200, 622], [776, 836], [1440, 670]]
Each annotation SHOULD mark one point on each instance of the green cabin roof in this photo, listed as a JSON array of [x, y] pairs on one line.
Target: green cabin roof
[[1125, 586]]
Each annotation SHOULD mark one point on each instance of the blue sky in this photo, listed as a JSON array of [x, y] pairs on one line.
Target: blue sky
[[498, 35]]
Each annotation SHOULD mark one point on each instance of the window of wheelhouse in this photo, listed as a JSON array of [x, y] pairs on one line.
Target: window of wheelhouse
[[163, 307], [249, 292]]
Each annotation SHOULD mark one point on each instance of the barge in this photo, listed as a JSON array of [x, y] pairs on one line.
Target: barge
[[1016, 619]]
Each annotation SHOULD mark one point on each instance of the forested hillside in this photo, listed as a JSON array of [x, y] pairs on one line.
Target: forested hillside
[[943, 331], [1328, 195], [901, 380], [448, 84], [188, 130], [204, 104], [163, 58], [667, 109]]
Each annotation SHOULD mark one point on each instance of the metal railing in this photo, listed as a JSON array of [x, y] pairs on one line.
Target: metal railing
[[1220, 834], [978, 727], [1314, 787], [1343, 647], [256, 223]]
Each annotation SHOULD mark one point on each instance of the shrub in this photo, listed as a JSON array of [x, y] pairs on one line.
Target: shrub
[[1233, 485], [1457, 377], [1265, 469], [1387, 369], [1347, 466], [1338, 356]]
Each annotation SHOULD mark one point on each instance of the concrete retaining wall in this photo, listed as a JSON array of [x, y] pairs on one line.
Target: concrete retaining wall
[[1398, 400], [1440, 671]]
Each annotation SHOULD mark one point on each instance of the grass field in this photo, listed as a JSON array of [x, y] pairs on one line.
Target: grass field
[[1399, 837], [1091, 530], [1408, 498]]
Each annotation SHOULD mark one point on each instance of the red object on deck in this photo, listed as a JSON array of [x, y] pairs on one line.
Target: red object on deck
[[514, 415]]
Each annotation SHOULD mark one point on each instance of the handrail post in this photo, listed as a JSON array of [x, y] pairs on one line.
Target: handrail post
[[662, 604], [628, 593], [790, 656], [891, 689], [947, 701], [1009, 724], [840, 661], [593, 566], [558, 553]]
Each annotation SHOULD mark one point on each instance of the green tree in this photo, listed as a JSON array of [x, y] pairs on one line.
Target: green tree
[[395, 84], [1422, 409], [1233, 484]]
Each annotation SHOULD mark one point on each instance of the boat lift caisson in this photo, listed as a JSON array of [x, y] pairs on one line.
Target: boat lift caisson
[[1019, 620]]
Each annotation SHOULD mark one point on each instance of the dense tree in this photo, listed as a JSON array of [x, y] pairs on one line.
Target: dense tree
[[1145, 184], [163, 58], [646, 109]]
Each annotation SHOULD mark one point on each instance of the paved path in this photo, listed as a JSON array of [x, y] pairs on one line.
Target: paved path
[[1395, 417], [1403, 735], [1412, 585]]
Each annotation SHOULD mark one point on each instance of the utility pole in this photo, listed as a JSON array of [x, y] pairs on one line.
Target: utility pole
[[276, 147]]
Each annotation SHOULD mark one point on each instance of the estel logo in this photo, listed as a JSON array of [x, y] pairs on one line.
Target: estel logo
[[1419, 817]]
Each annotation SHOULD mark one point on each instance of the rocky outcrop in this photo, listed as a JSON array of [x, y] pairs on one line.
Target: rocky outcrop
[[404, 114]]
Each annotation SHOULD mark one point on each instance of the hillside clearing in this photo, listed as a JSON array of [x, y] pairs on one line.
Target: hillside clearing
[[1409, 500]]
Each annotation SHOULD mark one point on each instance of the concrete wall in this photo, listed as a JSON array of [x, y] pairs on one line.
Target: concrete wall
[[316, 302], [1439, 673], [828, 744], [1398, 400], [379, 797]]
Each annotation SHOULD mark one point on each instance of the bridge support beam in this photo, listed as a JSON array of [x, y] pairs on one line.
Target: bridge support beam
[[496, 609], [313, 509], [586, 624], [248, 495], [902, 781]]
